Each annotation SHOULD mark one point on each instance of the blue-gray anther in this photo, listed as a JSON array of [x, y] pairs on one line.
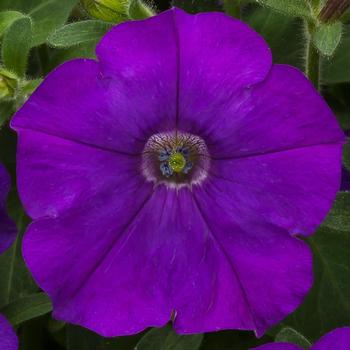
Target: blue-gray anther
[[165, 169], [187, 167], [184, 151], [164, 155]]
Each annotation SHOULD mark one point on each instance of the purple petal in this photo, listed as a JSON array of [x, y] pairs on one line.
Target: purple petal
[[338, 339], [293, 189], [219, 58], [89, 282], [137, 95], [8, 229], [56, 175], [8, 338], [277, 346], [120, 255], [284, 112], [121, 276], [261, 201], [117, 103], [274, 269]]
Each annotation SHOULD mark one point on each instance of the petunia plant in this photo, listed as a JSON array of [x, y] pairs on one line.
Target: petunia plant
[[338, 339], [180, 174]]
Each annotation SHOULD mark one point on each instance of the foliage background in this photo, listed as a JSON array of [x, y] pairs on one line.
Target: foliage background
[[38, 35]]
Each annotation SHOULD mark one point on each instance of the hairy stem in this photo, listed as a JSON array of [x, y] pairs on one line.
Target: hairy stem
[[312, 68], [316, 4]]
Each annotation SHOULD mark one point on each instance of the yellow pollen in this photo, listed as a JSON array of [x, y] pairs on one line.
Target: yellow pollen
[[177, 162]]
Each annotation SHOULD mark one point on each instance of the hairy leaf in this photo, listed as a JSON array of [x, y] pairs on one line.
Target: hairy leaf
[[79, 33], [48, 16], [16, 45]]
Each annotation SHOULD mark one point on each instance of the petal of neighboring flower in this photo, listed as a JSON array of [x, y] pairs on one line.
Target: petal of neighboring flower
[[56, 175], [283, 112], [8, 338], [8, 228], [338, 339], [277, 346], [274, 268], [292, 189], [219, 58], [120, 278], [117, 103]]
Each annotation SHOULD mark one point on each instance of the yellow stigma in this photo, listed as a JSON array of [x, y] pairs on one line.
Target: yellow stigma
[[177, 162]]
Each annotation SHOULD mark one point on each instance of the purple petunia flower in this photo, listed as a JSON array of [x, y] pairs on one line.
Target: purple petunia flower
[[168, 179], [338, 339], [8, 229], [8, 338]]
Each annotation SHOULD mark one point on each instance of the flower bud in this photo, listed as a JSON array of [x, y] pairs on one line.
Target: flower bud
[[114, 11], [8, 83]]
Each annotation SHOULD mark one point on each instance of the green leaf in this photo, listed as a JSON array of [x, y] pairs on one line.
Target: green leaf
[[281, 33], [337, 69], [15, 280], [327, 306], [138, 10], [327, 37], [297, 8], [16, 45], [346, 16], [290, 335], [7, 18], [79, 33], [29, 86], [339, 220], [19, 5], [195, 6], [48, 16], [27, 308], [59, 56], [166, 339], [25, 89], [114, 11]]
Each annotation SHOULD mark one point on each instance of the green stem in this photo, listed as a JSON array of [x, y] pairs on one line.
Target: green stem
[[312, 68], [316, 4], [233, 8]]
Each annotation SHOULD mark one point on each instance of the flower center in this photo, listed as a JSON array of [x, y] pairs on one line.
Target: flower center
[[176, 159], [177, 162]]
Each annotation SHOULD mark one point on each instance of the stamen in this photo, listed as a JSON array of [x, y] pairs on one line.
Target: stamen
[[175, 159], [177, 162]]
